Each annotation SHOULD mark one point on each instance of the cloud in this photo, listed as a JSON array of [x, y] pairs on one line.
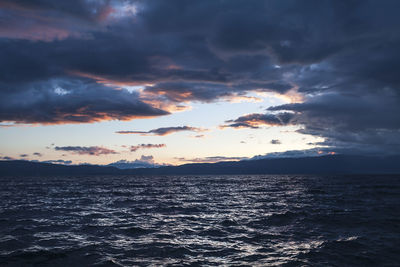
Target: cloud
[[37, 154], [143, 162], [211, 159], [341, 56], [48, 21], [275, 142], [207, 91], [314, 152], [23, 155], [71, 101], [256, 120], [146, 146], [88, 150], [198, 136], [350, 112], [346, 121], [6, 125], [38, 70], [7, 158], [58, 161], [164, 131]]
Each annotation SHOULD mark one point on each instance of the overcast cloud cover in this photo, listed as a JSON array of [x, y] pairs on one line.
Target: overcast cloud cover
[[67, 62]]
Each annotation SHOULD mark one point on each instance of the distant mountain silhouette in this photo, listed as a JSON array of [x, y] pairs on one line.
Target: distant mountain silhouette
[[21, 167], [336, 164]]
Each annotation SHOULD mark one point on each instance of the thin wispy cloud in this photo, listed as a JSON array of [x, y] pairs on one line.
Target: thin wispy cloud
[[146, 146], [275, 142], [164, 131], [86, 150], [198, 136], [210, 159]]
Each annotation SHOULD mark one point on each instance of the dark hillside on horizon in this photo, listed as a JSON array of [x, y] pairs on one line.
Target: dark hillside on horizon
[[21, 167], [337, 164]]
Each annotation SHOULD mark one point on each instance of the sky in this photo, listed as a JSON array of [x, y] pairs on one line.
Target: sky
[[172, 82]]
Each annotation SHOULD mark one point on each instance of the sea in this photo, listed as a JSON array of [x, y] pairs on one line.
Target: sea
[[244, 220]]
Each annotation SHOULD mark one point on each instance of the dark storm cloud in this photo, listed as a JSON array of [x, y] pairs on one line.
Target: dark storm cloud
[[342, 56], [164, 58], [256, 120], [146, 146], [210, 91], [356, 122], [347, 112], [74, 8], [71, 101], [47, 20], [179, 91], [86, 150], [164, 130]]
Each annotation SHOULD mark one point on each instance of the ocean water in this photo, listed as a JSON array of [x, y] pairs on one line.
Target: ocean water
[[257, 220]]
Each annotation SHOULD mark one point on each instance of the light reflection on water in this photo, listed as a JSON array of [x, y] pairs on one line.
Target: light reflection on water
[[203, 220]]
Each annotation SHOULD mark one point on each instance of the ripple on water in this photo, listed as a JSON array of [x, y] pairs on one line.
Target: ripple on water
[[200, 220]]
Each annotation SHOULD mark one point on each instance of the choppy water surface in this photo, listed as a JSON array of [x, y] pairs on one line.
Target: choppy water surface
[[200, 220]]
